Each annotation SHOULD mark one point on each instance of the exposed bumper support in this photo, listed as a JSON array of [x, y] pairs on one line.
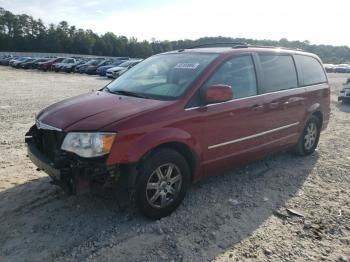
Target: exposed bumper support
[[73, 174]]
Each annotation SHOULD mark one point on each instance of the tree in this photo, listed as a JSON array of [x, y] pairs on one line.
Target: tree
[[25, 33]]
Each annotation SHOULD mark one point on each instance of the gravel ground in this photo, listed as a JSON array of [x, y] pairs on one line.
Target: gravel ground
[[284, 208]]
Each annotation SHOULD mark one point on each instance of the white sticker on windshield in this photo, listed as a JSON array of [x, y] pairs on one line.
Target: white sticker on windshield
[[187, 65]]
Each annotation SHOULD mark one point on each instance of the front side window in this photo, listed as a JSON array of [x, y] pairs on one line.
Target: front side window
[[164, 77], [278, 72], [311, 71], [239, 73]]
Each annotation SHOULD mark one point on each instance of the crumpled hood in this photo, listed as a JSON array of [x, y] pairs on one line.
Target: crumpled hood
[[91, 112]]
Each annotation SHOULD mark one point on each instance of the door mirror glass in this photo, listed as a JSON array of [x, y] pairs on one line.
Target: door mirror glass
[[218, 93]]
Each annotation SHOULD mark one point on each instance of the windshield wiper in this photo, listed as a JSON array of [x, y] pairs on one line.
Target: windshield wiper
[[107, 89], [128, 93]]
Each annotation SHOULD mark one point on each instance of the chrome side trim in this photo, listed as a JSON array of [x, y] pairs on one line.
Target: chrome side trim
[[253, 136], [41, 125], [192, 108]]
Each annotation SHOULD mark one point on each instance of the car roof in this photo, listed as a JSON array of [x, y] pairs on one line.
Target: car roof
[[242, 49]]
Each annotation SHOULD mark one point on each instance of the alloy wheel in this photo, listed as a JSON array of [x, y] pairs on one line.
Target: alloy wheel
[[163, 185], [310, 136]]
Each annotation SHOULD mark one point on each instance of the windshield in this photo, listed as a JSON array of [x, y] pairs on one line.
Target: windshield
[[91, 62], [126, 64], [164, 77], [67, 60], [118, 62], [101, 63]]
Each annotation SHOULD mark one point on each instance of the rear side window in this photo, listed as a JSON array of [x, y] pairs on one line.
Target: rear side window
[[239, 73], [278, 73], [310, 70]]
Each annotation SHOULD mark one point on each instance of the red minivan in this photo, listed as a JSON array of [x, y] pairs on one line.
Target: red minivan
[[180, 116]]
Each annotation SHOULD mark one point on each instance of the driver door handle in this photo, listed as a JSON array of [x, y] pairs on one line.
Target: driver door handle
[[274, 104], [257, 107]]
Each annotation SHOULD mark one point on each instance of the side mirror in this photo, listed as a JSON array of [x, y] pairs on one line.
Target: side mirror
[[218, 93]]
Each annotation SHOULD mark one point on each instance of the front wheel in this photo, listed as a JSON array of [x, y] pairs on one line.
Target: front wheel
[[309, 138], [163, 181]]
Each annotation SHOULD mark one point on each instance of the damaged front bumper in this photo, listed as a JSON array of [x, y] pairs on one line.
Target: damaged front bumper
[[69, 171]]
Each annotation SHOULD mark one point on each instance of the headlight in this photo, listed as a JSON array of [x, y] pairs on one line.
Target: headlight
[[88, 144]]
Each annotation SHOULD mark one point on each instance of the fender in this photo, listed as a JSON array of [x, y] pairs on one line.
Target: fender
[[309, 111], [313, 108], [137, 148]]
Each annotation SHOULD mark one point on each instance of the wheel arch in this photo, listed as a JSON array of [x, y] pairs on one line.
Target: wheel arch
[[182, 149], [319, 115], [314, 110]]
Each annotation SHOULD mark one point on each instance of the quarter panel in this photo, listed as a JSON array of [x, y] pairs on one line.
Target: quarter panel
[[318, 99]]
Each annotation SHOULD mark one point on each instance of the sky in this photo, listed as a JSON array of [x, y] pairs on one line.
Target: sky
[[319, 21]]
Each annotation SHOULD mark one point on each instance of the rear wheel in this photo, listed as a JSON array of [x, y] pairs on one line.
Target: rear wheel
[[163, 182], [309, 139]]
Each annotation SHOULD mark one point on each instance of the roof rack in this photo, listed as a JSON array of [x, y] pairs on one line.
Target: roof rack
[[274, 47], [228, 44], [242, 45]]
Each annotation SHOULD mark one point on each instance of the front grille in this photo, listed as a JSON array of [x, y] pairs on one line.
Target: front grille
[[47, 141]]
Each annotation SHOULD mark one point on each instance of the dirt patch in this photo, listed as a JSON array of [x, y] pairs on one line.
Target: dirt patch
[[241, 215]]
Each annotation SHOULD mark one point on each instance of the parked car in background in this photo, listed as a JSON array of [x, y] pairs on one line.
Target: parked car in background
[[14, 62], [329, 68], [6, 60], [14, 59], [32, 64], [26, 63], [347, 81], [57, 66], [342, 68], [81, 69], [46, 65], [178, 117], [68, 68], [103, 69], [114, 72], [91, 69], [344, 95], [21, 60]]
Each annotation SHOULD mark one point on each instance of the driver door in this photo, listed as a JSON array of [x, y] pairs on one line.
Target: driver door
[[229, 128]]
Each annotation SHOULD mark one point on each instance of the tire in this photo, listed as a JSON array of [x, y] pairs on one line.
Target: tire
[[309, 138], [157, 194]]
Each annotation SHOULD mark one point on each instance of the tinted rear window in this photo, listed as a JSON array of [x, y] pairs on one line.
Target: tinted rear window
[[310, 70], [278, 73]]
